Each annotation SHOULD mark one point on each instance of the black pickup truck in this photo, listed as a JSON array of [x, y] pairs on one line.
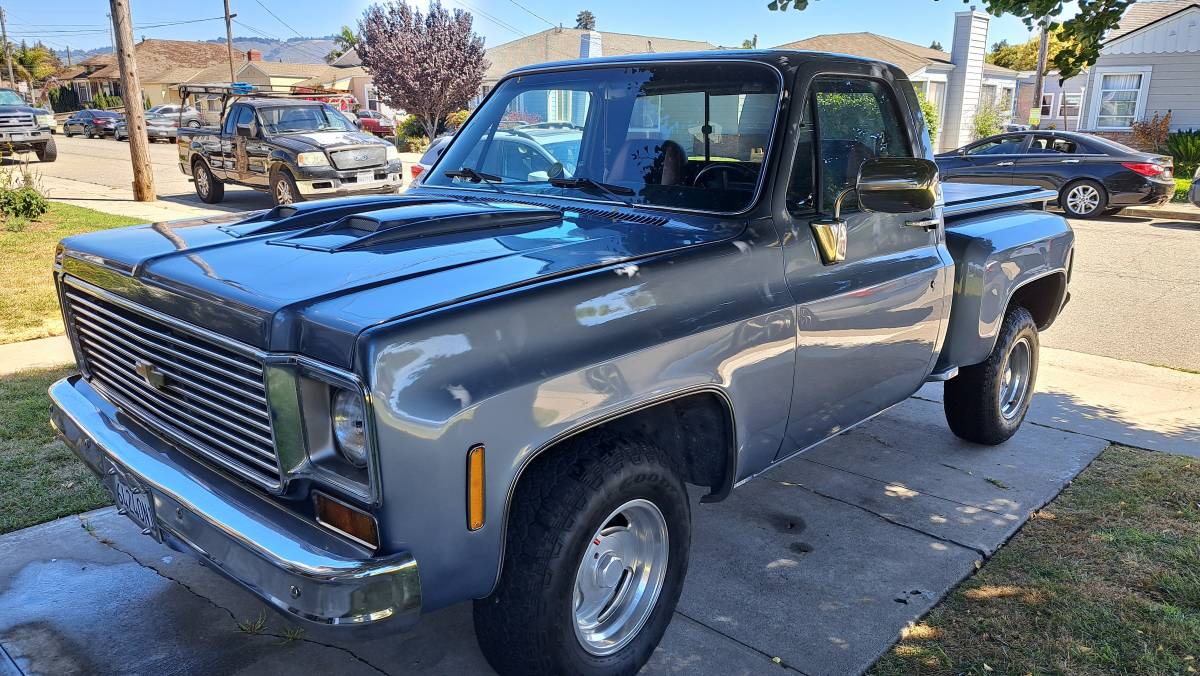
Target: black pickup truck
[[24, 128], [296, 149]]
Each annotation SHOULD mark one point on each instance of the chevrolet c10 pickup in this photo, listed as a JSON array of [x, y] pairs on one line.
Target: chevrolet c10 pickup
[[497, 386]]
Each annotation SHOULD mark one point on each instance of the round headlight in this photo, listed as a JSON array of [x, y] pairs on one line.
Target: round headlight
[[350, 427]]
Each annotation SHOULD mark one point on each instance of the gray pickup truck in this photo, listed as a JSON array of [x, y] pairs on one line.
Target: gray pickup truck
[[293, 148], [497, 386], [24, 128]]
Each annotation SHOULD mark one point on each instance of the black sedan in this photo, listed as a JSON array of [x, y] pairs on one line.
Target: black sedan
[[91, 123], [1093, 176]]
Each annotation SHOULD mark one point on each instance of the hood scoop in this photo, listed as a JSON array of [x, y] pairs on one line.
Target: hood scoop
[[422, 217], [303, 215]]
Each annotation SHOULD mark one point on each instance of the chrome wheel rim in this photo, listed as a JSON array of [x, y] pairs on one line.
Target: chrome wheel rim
[[1083, 199], [1016, 379], [202, 181], [620, 577], [283, 192]]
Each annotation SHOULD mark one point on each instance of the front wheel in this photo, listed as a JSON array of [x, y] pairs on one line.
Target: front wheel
[[1083, 199], [46, 152], [598, 540], [986, 403], [283, 189]]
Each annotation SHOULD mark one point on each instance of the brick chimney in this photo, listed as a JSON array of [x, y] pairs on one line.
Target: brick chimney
[[965, 83], [253, 55]]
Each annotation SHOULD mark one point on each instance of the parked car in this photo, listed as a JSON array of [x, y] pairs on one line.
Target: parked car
[[436, 146], [91, 123], [1194, 193], [186, 116], [158, 127], [497, 386], [1092, 175], [24, 128], [292, 148], [376, 122]]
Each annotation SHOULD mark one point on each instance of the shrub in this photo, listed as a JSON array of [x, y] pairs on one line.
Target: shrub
[[1182, 187], [1151, 135], [456, 119], [20, 198], [989, 121], [930, 113], [1184, 146], [414, 144], [410, 126]]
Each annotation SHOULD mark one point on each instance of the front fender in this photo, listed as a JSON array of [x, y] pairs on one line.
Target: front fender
[[994, 256]]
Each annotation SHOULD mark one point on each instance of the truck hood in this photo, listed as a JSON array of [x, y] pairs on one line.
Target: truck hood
[[320, 140], [309, 278], [24, 109]]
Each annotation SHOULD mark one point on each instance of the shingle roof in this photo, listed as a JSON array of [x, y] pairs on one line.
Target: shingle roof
[[333, 76], [306, 70], [908, 56], [1142, 14], [158, 56], [559, 44]]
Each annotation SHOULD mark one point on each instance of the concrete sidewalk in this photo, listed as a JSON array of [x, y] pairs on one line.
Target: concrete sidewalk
[[814, 567]]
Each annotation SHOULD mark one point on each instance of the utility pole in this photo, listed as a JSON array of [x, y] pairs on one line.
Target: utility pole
[[68, 55], [7, 52], [229, 39], [135, 114], [1038, 81]]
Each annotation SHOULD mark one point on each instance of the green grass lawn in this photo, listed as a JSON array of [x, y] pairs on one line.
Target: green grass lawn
[[28, 306], [1103, 580], [40, 479]]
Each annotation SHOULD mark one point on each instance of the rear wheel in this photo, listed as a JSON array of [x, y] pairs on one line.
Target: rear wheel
[[597, 550], [986, 403], [208, 188], [194, 124], [1083, 199], [46, 152]]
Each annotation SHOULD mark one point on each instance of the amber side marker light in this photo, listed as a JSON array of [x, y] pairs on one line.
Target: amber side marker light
[[475, 488], [349, 521]]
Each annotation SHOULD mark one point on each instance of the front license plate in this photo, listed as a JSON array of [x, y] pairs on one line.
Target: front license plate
[[366, 177], [135, 502]]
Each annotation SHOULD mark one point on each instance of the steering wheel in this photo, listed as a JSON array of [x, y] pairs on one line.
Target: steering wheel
[[725, 168]]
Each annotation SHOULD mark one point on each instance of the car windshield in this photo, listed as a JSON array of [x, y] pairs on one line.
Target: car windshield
[[683, 135], [104, 113], [293, 119], [10, 98]]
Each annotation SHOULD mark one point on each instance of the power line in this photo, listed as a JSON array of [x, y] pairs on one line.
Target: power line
[[86, 31], [285, 24], [535, 14], [286, 44]]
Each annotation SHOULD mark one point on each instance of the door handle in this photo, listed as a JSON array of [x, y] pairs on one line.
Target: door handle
[[1004, 164], [926, 224]]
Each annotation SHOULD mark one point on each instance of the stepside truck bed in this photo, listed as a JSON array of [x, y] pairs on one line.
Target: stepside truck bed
[[971, 198]]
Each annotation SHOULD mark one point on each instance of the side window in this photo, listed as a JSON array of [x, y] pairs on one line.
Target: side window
[[857, 120], [231, 119], [1050, 144], [1005, 145]]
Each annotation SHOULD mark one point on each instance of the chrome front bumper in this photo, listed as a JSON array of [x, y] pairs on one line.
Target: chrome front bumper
[[292, 564], [327, 187]]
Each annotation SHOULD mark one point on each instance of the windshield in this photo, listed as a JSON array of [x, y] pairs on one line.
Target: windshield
[[10, 98], [684, 135], [292, 119]]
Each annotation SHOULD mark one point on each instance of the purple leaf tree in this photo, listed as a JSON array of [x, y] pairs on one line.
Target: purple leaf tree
[[428, 64]]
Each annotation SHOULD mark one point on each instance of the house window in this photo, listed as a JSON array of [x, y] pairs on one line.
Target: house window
[[1070, 104], [1047, 105], [1118, 100]]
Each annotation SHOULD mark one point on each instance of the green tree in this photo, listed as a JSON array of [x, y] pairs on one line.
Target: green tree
[[345, 40], [936, 45], [752, 43], [989, 121], [33, 64], [585, 20], [1082, 33], [1024, 56], [930, 113]]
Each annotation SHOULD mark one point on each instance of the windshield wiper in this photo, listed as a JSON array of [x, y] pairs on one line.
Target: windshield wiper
[[613, 191], [476, 176]]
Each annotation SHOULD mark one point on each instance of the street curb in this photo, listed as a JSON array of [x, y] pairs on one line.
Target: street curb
[[1168, 213]]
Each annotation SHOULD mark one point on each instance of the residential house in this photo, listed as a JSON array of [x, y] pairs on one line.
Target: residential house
[[162, 65], [1061, 102], [957, 84], [1149, 64]]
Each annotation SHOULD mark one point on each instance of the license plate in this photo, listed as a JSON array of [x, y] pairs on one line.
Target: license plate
[[135, 502], [366, 177]]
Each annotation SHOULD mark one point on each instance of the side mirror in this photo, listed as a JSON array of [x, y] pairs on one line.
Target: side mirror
[[897, 185], [245, 130]]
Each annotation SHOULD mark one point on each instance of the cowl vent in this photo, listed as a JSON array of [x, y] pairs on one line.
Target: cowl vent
[[425, 218]]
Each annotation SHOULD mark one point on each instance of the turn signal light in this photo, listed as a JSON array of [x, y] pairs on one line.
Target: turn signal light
[[475, 477], [1144, 168], [349, 521]]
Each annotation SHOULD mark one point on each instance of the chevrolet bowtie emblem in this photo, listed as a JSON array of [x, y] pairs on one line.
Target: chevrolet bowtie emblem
[[150, 373]]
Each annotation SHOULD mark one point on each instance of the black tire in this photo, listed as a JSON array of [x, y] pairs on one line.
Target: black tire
[[283, 188], [46, 152], [208, 188], [528, 624], [975, 400], [194, 124], [66, 132], [1095, 205]]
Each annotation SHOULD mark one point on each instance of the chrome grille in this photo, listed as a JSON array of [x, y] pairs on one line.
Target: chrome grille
[[207, 396], [12, 120], [356, 158]]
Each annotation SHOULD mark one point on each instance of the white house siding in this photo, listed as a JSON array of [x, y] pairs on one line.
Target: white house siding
[[970, 46], [1174, 85]]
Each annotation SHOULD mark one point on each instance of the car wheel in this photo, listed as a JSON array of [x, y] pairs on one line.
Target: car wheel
[[194, 124], [66, 132], [986, 403], [208, 188], [46, 152], [1083, 199], [598, 540], [283, 189]]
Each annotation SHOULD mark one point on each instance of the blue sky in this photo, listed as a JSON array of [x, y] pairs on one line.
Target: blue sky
[[81, 23]]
